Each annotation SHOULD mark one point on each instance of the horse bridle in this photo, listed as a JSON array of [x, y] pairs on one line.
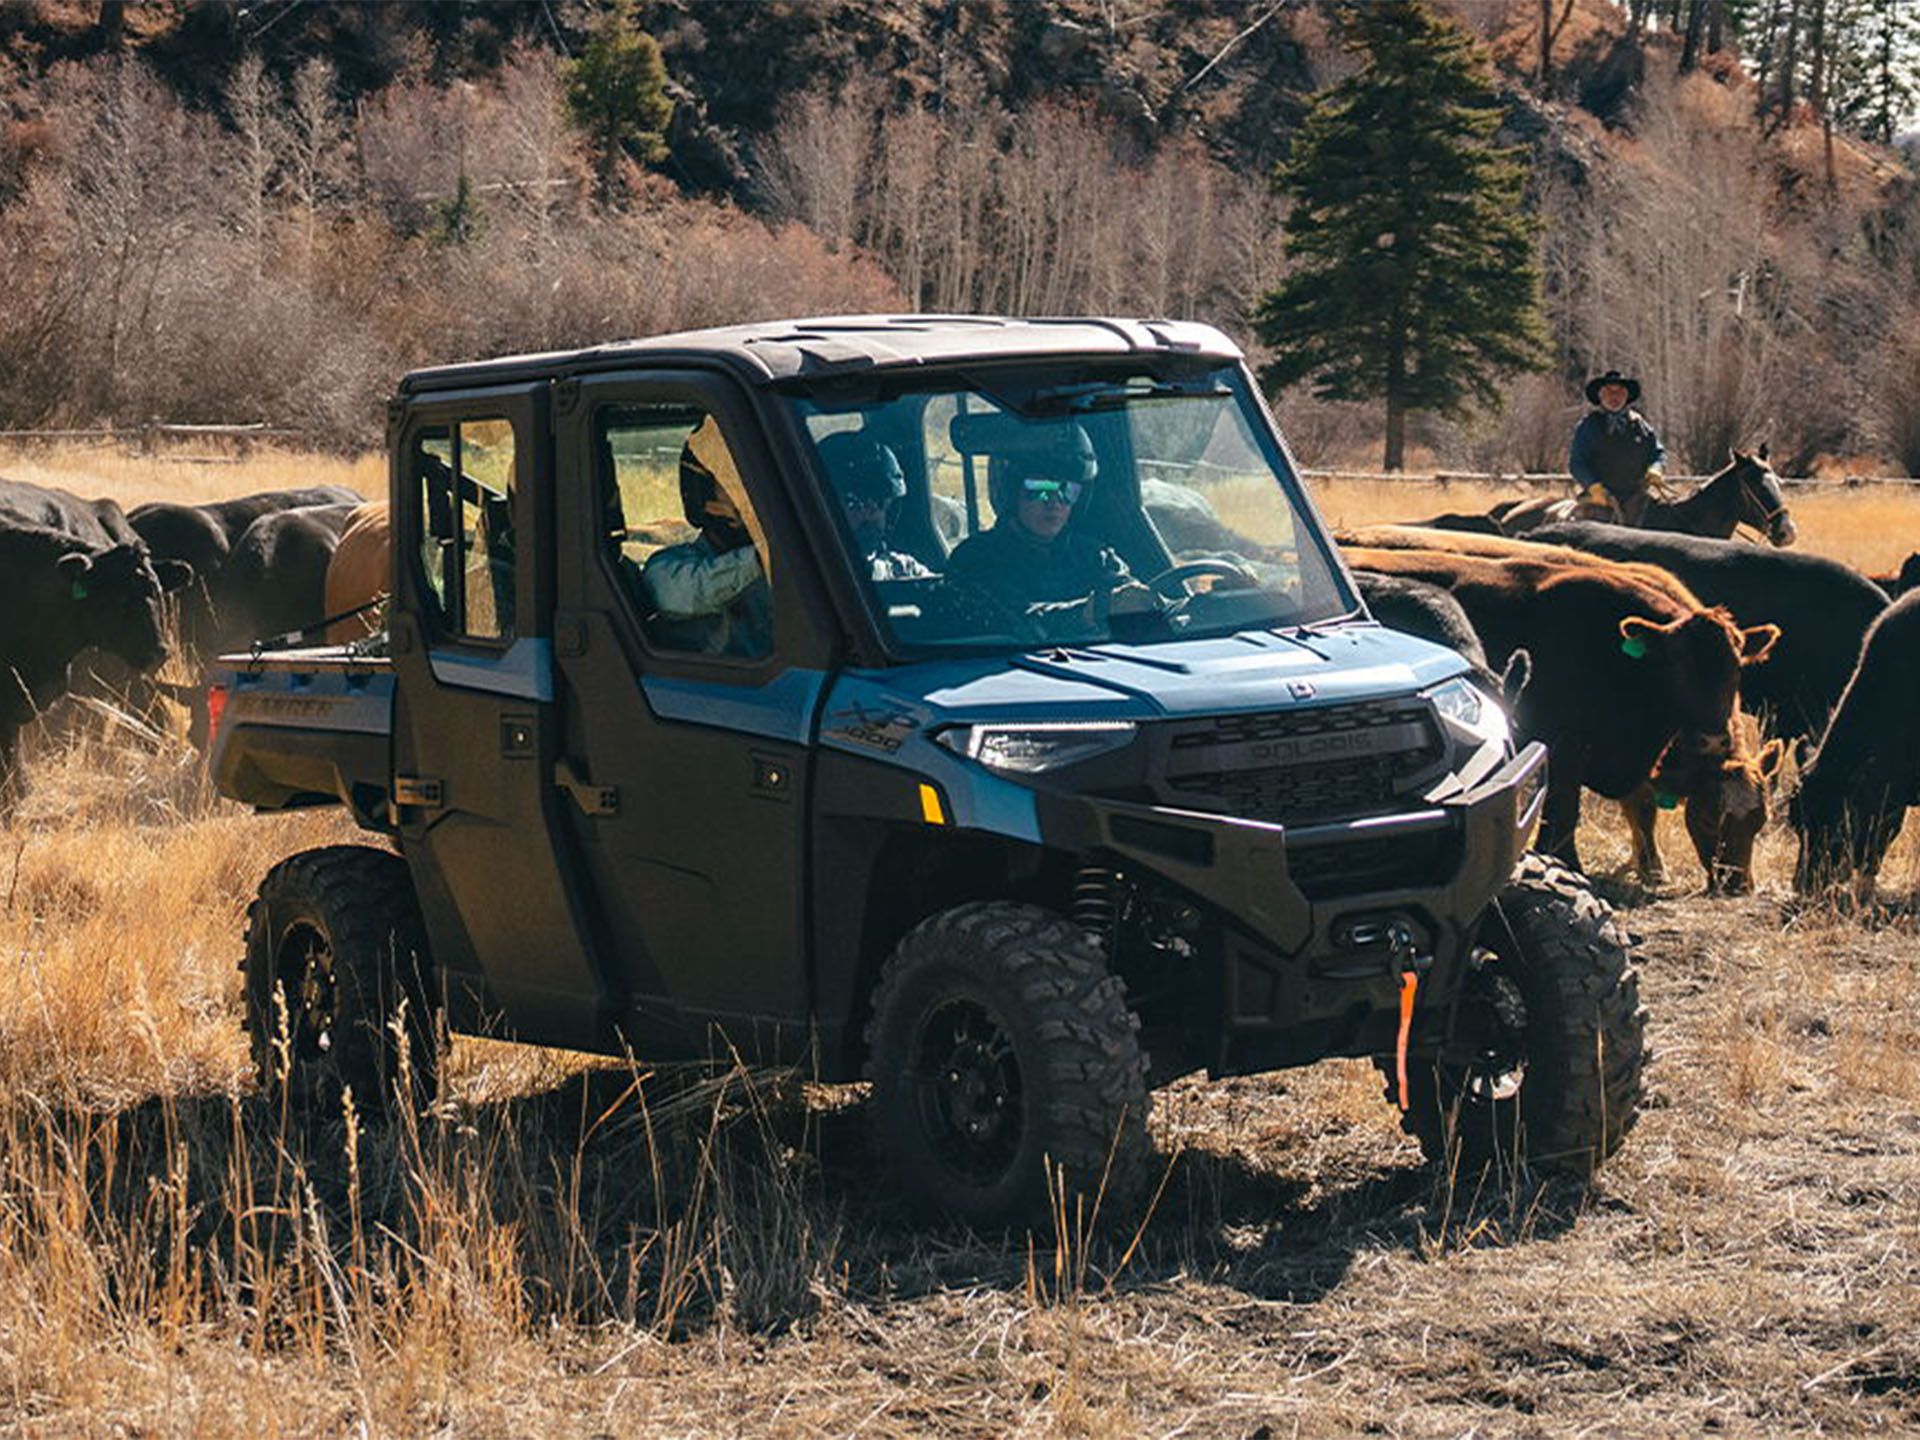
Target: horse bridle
[[1750, 498]]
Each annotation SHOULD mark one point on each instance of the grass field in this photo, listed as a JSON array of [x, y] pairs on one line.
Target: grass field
[[573, 1247]]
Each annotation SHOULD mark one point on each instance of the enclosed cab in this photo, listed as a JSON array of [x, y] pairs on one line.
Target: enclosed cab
[[973, 706]]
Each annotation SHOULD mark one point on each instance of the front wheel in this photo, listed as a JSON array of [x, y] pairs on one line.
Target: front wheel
[[338, 982], [1549, 1039], [1000, 1046]]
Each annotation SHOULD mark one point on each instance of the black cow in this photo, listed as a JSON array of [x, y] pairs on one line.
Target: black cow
[[99, 524], [271, 581], [1822, 607], [1855, 791], [77, 577], [1424, 609], [1898, 582], [203, 536]]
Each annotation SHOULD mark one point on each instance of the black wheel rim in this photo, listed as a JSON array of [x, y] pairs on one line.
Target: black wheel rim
[[967, 1089], [304, 966], [1493, 1031]]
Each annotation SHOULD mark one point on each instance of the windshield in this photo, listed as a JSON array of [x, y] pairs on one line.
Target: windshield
[[1067, 504]]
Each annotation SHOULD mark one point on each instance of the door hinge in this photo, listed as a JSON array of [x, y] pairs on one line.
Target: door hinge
[[592, 799]]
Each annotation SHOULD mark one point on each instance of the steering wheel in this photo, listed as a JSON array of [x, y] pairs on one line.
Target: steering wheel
[[1192, 569]]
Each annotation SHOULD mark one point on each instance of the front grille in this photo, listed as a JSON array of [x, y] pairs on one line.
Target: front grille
[[1337, 762], [1358, 867]]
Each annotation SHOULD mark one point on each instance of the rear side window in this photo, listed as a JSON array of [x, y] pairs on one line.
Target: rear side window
[[464, 475]]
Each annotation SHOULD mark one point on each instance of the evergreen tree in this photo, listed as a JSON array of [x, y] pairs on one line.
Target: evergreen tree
[[1413, 277], [617, 95]]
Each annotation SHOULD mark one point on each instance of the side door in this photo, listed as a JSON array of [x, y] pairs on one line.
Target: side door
[[474, 717], [690, 665]]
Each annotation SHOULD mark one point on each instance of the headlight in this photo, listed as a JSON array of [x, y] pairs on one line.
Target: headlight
[[1470, 712], [1026, 749]]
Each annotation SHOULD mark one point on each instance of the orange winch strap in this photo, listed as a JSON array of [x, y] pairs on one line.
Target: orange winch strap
[[1409, 983]]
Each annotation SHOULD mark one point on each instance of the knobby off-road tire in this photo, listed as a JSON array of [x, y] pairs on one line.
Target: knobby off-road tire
[[1000, 1045], [336, 954], [1556, 1006]]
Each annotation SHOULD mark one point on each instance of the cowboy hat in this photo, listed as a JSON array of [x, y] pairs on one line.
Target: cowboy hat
[[1612, 377]]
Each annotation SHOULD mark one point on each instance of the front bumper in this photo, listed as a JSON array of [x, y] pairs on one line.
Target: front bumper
[[1303, 969]]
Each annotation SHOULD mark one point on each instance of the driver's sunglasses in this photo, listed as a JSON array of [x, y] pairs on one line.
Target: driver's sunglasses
[[1059, 492]]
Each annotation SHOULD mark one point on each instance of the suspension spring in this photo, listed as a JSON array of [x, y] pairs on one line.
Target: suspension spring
[[1096, 904]]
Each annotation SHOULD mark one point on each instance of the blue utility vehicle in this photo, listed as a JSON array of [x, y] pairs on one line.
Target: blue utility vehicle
[[977, 707]]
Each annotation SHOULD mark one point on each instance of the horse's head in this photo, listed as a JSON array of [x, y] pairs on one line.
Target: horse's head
[[1763, 500]]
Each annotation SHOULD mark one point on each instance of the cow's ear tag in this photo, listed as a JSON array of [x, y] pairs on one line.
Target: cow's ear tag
[[1634, 648], [1666, 800], [79, 589]]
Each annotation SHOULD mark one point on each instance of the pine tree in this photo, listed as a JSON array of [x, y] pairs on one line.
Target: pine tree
[[1412, 272], [617, 95]]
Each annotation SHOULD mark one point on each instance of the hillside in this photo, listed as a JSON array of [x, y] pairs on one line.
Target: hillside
[[940, 154]]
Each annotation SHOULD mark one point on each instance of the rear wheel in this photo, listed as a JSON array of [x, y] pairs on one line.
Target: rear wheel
[[338, 982], [1000, 1046], [1549, 1039]]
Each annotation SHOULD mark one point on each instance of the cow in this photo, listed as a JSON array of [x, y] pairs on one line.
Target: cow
[[1728, 782], [1624, 662], [78, 577], [1823, 609], [1424, 609], [100, 524], [1855, 791], [360, 574], [1898, 582], [203, 536]]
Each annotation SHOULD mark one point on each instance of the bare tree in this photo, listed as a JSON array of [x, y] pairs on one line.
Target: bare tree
[[259, 135], [316, 136]]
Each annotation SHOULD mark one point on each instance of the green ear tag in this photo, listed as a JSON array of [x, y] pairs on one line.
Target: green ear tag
[[1633, 647], [1666, 801], [79, 590]]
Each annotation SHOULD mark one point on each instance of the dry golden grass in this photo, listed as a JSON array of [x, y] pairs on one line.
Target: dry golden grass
[[568, 1246]]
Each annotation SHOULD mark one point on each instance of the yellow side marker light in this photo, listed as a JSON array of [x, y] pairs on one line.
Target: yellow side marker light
[[931, 809]]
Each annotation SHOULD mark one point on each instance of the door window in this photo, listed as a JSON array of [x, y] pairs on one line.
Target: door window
[[464, 474], [681, 530]]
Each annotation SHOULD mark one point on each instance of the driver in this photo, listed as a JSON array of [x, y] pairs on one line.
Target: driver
[[1033, 566]]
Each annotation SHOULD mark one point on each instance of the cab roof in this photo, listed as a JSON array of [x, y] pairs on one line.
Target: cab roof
[[836, 344]]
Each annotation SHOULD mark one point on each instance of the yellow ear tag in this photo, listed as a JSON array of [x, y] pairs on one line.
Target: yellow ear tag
[[1633, 647]]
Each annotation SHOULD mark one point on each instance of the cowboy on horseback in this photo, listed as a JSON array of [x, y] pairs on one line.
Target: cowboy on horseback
[[1616, 457]]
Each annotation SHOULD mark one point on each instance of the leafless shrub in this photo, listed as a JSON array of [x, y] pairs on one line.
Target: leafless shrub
[[1050, 210]]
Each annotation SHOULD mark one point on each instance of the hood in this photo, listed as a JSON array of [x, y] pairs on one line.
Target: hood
[[1252, 671]]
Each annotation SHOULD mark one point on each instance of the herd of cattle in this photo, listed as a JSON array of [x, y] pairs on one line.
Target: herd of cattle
[[1653, 662]]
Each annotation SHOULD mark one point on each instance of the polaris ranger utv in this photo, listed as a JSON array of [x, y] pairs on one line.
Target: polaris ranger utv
[[687, 738]]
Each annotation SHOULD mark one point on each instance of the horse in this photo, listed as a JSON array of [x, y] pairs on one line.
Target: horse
[[1747, 492]]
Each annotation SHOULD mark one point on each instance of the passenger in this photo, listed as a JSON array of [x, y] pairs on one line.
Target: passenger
[[710, 595], [1041, 575], [1616, 457], [871, 485]]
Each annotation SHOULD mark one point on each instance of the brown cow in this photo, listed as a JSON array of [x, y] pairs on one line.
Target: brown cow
[[1728, 782], [1625, 662], [1725, 779], [360, 575]]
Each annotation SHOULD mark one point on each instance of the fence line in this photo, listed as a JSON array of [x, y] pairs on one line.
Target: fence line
[[1562, 481], [147, 437]]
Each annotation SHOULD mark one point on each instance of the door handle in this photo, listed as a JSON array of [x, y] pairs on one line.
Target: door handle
[[592, 799]]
